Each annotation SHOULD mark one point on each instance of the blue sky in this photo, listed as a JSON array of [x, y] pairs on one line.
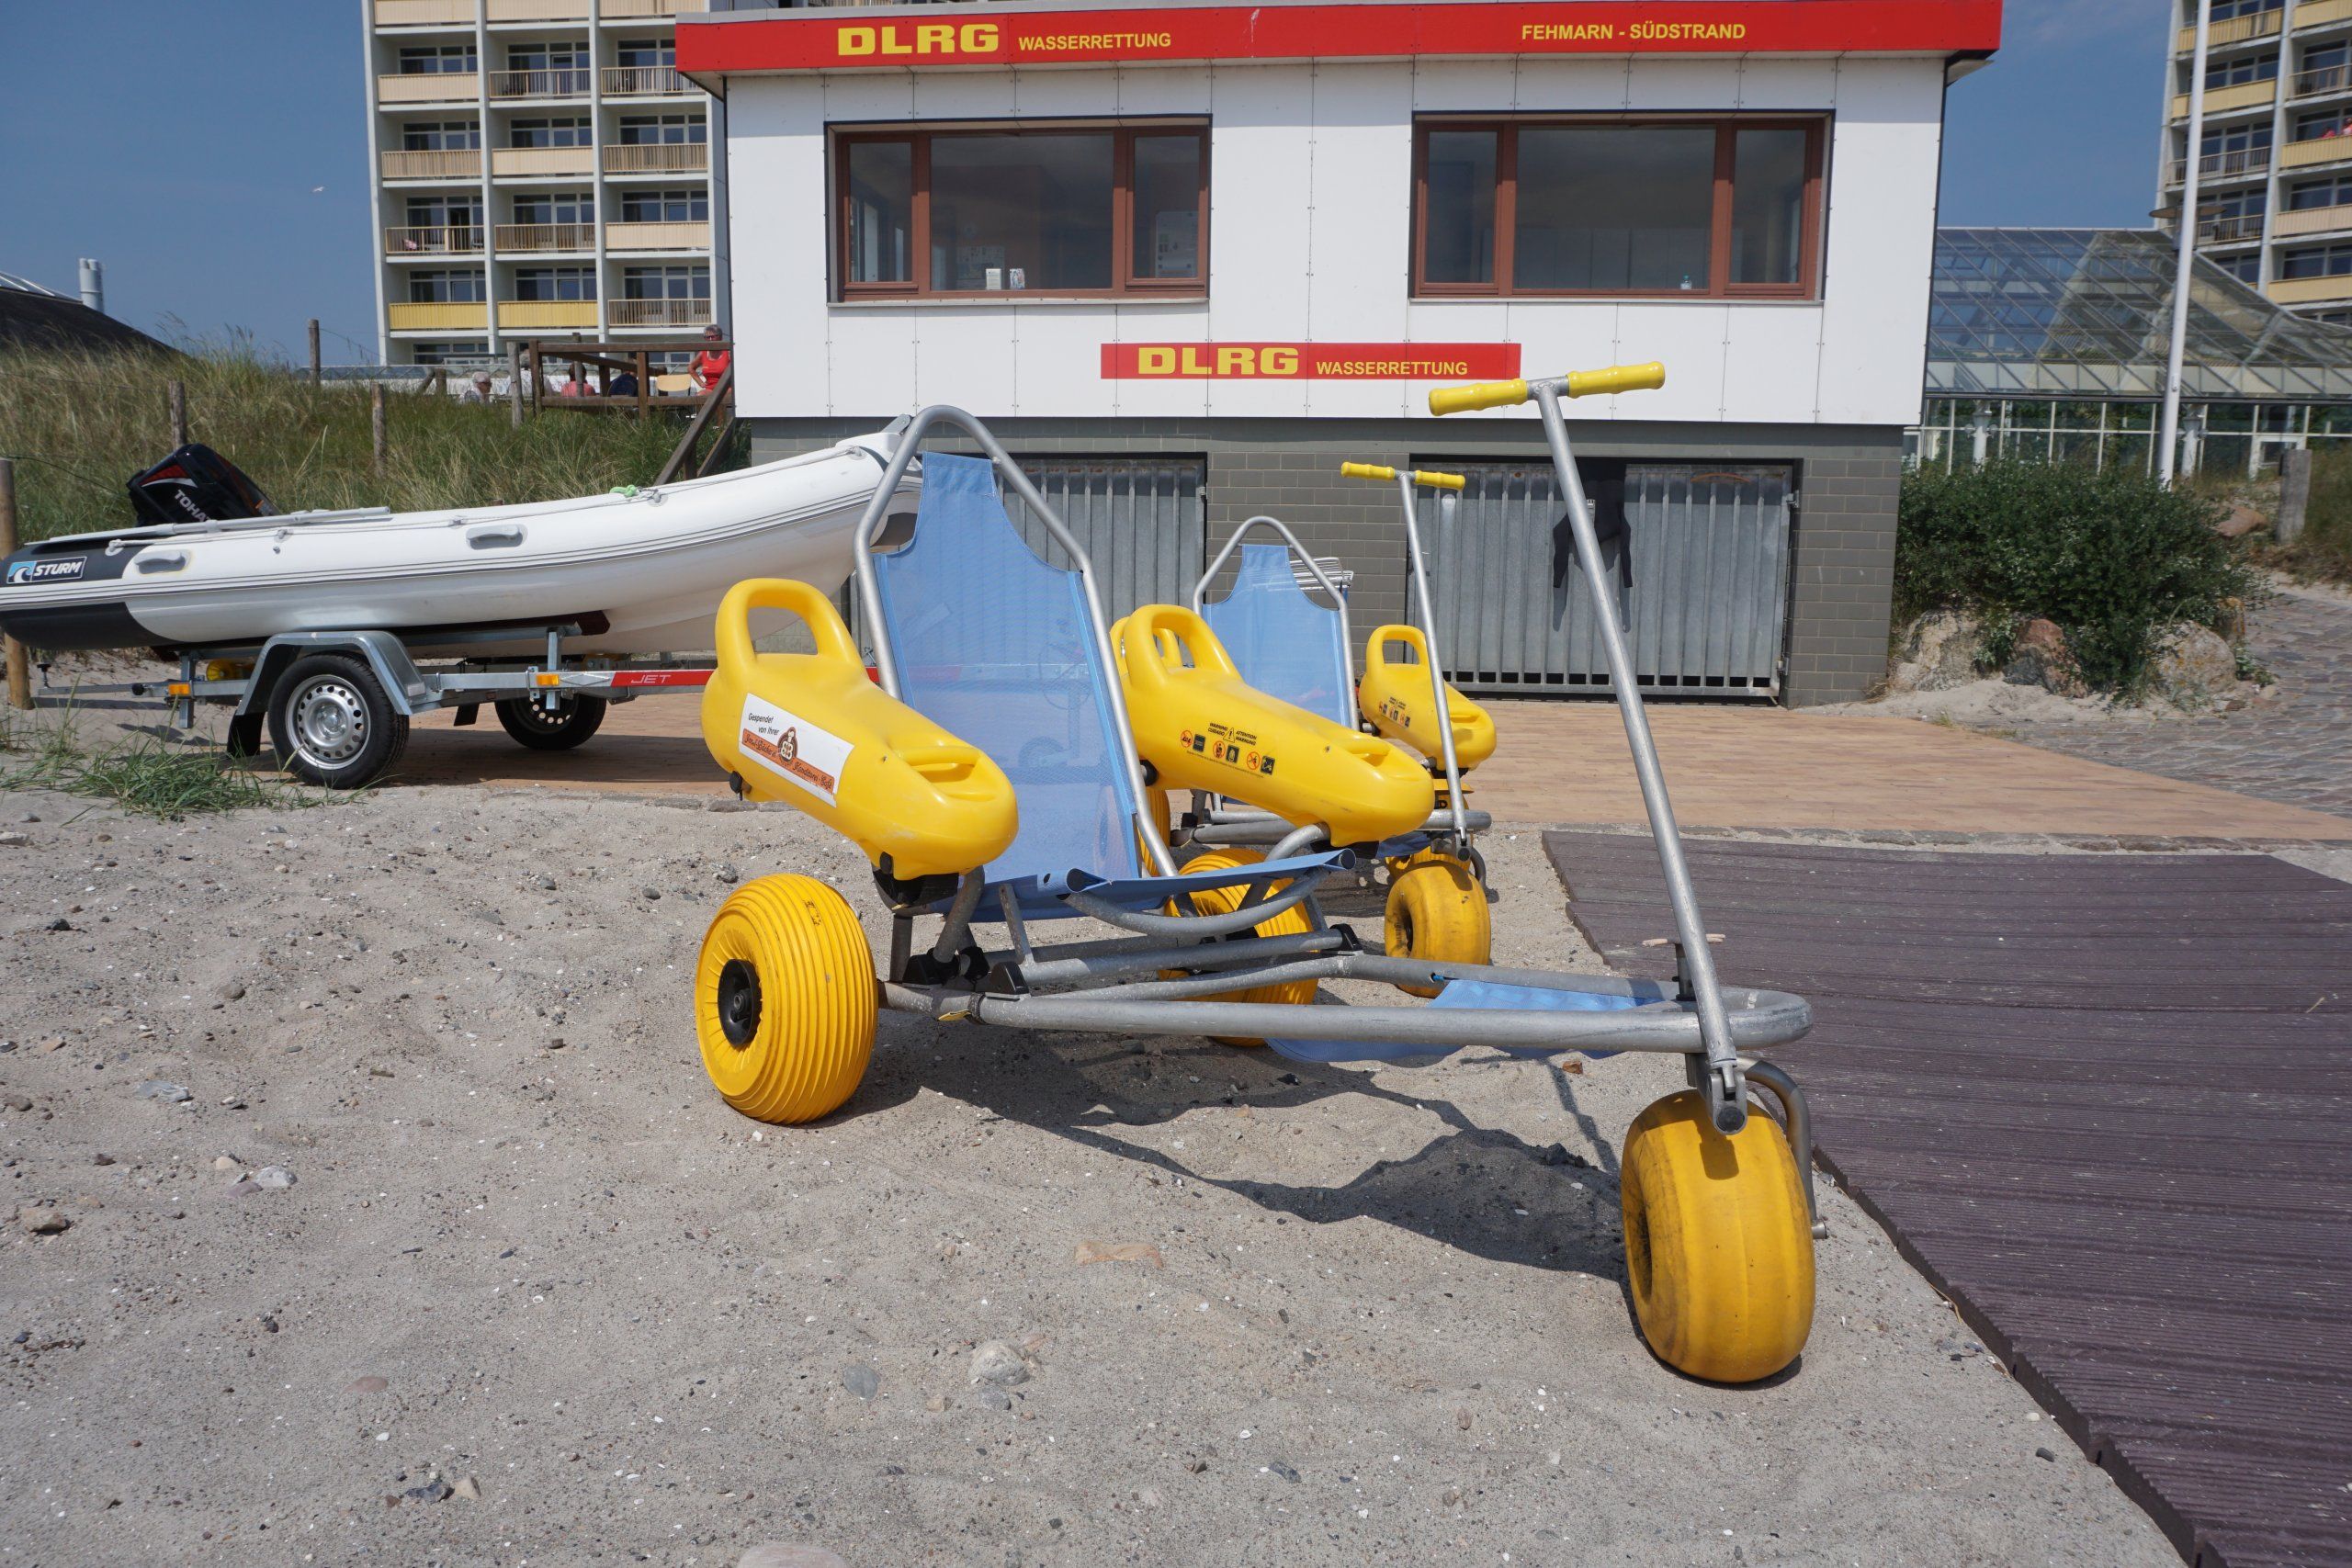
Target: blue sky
[[213, 155]]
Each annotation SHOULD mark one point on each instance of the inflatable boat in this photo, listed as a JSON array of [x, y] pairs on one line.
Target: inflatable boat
[[636, 571]]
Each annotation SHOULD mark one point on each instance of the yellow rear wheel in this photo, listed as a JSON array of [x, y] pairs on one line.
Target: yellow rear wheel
[[1718, 1242], [784, 1000], [1437, 914], [1292, 921]]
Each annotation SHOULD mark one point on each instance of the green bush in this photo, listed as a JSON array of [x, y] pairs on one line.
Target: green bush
[[80, 425], [2111, 557]]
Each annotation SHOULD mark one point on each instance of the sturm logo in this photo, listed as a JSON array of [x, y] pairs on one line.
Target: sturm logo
[[30, 571]]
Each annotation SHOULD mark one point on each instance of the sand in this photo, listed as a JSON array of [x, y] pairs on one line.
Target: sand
[[528, 1255]]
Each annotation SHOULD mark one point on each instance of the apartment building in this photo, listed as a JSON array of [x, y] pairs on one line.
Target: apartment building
[[2274, 160], [541, 170]]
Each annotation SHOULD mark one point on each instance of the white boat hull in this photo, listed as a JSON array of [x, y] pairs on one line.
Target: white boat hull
[[638, 573]]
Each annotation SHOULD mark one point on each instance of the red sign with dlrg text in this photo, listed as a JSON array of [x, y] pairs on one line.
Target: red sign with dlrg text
[[1310, 361]]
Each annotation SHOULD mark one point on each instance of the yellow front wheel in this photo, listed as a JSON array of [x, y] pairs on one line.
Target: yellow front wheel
[[1437, 914], [1292, 921], [784, 1000], [1718, 1242]]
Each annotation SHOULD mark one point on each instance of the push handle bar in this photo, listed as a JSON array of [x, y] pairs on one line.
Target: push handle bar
[[1575, 384], [1428, 477], [824, 621]]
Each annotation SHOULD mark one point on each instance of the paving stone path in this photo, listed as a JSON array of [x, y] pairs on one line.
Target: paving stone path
[[2295, 746]]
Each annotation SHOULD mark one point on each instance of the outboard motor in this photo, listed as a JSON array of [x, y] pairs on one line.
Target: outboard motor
[[196, 484]]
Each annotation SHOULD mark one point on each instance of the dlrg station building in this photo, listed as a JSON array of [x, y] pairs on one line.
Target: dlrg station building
[[1187, 258]]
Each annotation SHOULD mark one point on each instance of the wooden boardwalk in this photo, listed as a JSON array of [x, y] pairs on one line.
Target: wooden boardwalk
[[2105, 1103]]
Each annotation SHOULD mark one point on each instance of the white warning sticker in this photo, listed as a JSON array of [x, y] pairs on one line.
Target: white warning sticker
[[788, 745]]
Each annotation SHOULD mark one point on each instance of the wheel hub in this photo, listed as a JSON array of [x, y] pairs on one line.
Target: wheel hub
[[330, 722], [738, 1003]]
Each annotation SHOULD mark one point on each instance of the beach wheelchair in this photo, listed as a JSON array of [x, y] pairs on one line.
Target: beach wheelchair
[[1286, 643], [992, 773]]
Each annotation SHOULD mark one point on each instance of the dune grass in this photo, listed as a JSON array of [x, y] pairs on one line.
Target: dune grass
[[2324, 551], [81, 424], [142, 775]]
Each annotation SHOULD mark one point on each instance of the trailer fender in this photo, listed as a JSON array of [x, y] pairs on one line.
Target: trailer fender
[[383, 652]]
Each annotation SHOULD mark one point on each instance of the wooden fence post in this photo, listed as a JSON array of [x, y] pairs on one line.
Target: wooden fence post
[[376, 427], [314, 351], [20, 686], [515, 385], [179, 414]]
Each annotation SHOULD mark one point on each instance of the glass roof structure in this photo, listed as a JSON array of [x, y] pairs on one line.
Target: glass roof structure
[[2059, 313]]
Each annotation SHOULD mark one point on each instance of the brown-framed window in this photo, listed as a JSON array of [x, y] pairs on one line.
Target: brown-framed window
[[1582, 206], [984, 210]]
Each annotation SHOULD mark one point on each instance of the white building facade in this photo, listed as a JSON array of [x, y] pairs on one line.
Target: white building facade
[[1207, 252]]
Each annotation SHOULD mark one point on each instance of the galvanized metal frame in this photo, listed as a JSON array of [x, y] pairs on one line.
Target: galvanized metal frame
[[1436, 670], [1322, 578], [1724, 1086]]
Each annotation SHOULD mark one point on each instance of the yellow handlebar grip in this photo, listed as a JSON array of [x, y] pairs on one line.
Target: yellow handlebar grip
[[1484, 395], [1436, 480], [1367, 471], [1617, 378]]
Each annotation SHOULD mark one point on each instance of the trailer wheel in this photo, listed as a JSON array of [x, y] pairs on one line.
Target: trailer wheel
[[1437, 914], [573, 721], [1292, 921], [784, 1000], [1718, 1242], [332, 723]]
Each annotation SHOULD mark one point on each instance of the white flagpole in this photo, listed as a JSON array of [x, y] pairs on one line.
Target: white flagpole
[[2168, 448]]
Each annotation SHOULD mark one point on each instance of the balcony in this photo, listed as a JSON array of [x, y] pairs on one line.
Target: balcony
[[660, 312], [428, 87], [2311, 290], [2237, 29], [2311, 221], [2235, 229], [643, 82], [438, 317], [2229, 100], [656, 158], [2245, 163], [688, 236], [2325, 79], [453, 164], [542, 162], [432, 239], [624, 9], [2315, 14], [519, 237], [424, 13], [562, 82], [538, 10], [546, 315], [2318, 150]]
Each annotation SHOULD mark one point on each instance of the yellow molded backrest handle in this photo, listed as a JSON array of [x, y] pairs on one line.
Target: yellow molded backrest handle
[[824, 621], [1376, 650], [1617, 378], [1482, 395], [1432, 478], [1159, 638]]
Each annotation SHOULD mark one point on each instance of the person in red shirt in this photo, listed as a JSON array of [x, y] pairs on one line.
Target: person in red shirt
[[711, 362]]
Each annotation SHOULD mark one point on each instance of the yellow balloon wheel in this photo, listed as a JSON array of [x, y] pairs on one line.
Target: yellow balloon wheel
[[1292, 921], [784, 1000], [1718, 1242], [1437, 914]]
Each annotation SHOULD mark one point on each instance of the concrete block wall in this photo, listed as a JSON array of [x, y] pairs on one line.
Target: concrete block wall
[[1841, 573]]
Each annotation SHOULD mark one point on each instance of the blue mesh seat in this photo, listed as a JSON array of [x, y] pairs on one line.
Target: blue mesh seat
[[998, 647], [1284, 643]]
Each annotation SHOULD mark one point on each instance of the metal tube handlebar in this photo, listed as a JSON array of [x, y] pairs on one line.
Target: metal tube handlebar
[[1575, 384], [1428, 478]]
